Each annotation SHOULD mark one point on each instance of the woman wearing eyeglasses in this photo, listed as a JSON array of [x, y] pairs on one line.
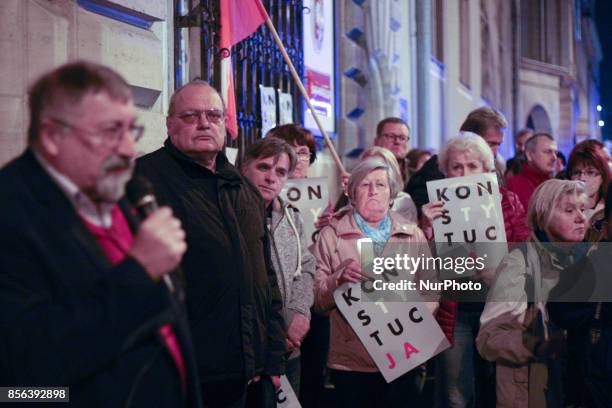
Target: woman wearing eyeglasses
[[587, 164], [303, 143]]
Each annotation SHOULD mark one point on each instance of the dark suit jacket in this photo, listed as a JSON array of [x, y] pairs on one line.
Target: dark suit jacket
[[70, 318]]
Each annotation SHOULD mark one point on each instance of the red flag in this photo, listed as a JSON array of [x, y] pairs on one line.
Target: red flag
[[239, 19]]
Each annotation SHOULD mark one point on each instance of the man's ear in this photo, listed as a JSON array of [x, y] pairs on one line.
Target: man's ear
[[528, 155], [48, 137]]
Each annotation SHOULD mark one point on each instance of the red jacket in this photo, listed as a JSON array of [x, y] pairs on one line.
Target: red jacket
[[525, 183], [516, 231]]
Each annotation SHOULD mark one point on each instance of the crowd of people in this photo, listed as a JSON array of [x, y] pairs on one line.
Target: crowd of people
[[213, 292]]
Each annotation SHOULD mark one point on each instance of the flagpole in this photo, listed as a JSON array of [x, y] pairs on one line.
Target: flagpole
[[298, 82]]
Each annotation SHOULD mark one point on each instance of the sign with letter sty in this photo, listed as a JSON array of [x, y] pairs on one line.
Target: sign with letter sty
[[310, 196], [473, 216], [398, 335]]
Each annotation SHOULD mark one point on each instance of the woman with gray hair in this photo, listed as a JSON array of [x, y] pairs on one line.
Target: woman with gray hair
[[462, 375], [402, 205], [466, 155], [519, 337], [372, 188]]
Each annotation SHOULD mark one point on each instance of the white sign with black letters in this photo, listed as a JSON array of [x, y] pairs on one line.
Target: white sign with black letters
[[285, 108], [268, 108], [399, 336], [285, 396], [473, 215], [310, 196]]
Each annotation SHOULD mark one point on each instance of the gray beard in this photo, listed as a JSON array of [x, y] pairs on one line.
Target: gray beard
[[110, 188]]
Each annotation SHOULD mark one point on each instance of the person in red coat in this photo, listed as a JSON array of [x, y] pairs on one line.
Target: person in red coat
[[541, 154]]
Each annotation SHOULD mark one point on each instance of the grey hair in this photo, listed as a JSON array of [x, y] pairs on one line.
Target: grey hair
[[546, 198], [532, 142], [366, 167], [387, 156], [193, 82], [467, 142]]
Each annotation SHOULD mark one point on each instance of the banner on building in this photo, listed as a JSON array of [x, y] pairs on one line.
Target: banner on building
[[268, 108], [318, 40], [310, 196]]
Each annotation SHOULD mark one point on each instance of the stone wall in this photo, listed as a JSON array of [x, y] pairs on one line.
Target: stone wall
[[38, 35]]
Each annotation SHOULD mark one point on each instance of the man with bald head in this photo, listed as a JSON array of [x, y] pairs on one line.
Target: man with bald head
[[233, 300]]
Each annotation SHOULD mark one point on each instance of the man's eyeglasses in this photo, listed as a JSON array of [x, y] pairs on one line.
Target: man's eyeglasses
[[215, 116], [589, 173], [396, 137], [109, 137]]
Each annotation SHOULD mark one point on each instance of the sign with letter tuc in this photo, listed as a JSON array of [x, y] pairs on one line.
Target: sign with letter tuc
[[398, 335]]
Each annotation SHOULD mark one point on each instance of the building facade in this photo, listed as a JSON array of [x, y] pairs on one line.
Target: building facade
[[534, 60]]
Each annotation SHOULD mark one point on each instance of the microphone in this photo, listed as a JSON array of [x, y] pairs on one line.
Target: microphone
[[139, 192]]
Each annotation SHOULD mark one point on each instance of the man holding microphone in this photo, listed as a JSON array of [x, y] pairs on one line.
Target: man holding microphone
[[82, 300]]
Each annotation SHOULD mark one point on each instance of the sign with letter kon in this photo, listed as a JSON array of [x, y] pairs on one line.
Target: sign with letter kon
[[310, 196]]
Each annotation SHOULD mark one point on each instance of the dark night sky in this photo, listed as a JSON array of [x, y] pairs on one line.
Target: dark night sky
[[603, 12]]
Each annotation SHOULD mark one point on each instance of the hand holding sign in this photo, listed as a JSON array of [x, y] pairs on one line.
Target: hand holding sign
[[349, 271], [431, 211]]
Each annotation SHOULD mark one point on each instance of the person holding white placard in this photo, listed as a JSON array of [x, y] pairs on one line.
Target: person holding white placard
[[460, 368], [372, 188]]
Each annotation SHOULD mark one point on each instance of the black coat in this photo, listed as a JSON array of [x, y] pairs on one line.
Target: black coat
[[572, 306], [417, 185], [234, 304], [70, 318]]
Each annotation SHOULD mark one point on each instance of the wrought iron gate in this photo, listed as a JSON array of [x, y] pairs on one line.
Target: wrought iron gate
[[256, 60]]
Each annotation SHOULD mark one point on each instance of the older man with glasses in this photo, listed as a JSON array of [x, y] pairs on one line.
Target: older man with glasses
[[394, 134], [82, 301], [233, 299]]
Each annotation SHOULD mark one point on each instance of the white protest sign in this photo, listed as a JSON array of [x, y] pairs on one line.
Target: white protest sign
[[285, 108], [399, 336], [268, 108], [310, 196], [285, 396], [473, 216]]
